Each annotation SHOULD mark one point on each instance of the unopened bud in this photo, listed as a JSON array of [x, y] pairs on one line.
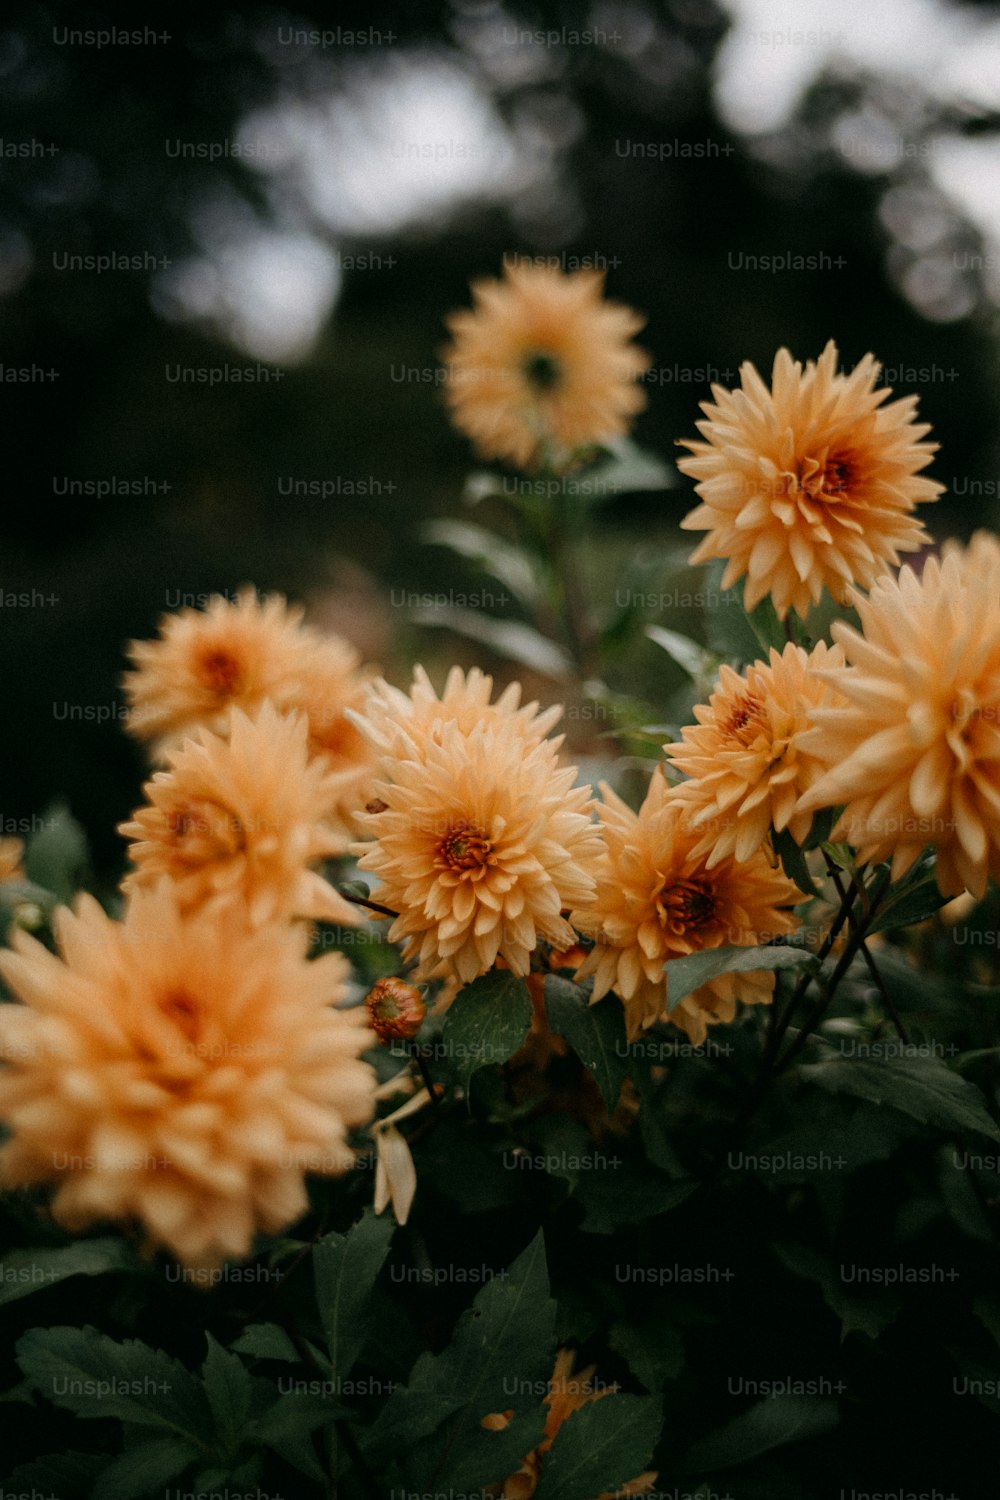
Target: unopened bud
[[567, 958], [396, 1008]]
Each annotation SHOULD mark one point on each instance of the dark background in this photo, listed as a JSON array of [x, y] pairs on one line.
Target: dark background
[[673, 226]]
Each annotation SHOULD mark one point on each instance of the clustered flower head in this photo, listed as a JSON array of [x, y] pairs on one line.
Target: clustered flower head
[[914, 754], [241, 654], [543, 366], [810, 485], [180, 1071], [241, 817], [391, 716], [657, 899], [481, 841], [745, 757]]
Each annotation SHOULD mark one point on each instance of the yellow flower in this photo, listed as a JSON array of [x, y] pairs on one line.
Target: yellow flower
[[240, 818], [566, 1394], [543, 366], [11, 854], [809, 485], [745, 754], [915, 753], [181, 1072], [241, 654], [392, 717], [657, 900], [481, 843]]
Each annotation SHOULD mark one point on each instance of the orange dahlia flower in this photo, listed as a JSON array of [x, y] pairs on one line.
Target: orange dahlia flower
[[566, 1394], [481, 842], [543, 366], [809, 485], [915, 753], [241, 817], [745, 757], [181, 1072], [421, 715], [241, 654], [657, 899]]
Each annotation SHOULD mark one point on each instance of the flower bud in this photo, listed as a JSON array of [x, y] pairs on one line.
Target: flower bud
[[396, 1008]]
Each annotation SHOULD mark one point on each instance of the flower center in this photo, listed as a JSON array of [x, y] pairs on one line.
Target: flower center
[[464, 847], [220, 671], [541, 371], [200, 831], [178, 1007], [744, 718], [690, 904], [830, 480]]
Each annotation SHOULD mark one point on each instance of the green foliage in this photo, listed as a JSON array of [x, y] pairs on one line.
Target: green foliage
[[56, 855], [687, 974], [595, 1032], [924, 1088], [769, 1424], [499, 1359], [346, 1268], [486, 1024], [23, 1272], [600, 1447]]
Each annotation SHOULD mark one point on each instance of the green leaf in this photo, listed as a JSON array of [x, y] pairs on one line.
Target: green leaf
[[93, 1376], [793, 862], [487, 1022], [922, 1087], [769, 1424], [70, 1476], [57, 854], [287, 1427], [692, 658], [25, 1271], [684, 975], [628, 470], [346, 1268], [654, 1350], [767, 627], [914, 990], [627, 1197], [507, 1334], [822, 823], [727, 627], [914, 904], [265, 1341], [507, 563], [600, 1446], [595, 1032], [144, 1470], [229, 1388], [861, 1308], [511, 639], [483, 484]]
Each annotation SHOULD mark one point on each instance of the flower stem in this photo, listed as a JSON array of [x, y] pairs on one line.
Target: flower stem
[[872, 967], [854, 943], [386, 911]]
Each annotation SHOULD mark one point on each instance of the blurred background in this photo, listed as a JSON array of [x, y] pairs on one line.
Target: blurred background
[[228, 240]]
